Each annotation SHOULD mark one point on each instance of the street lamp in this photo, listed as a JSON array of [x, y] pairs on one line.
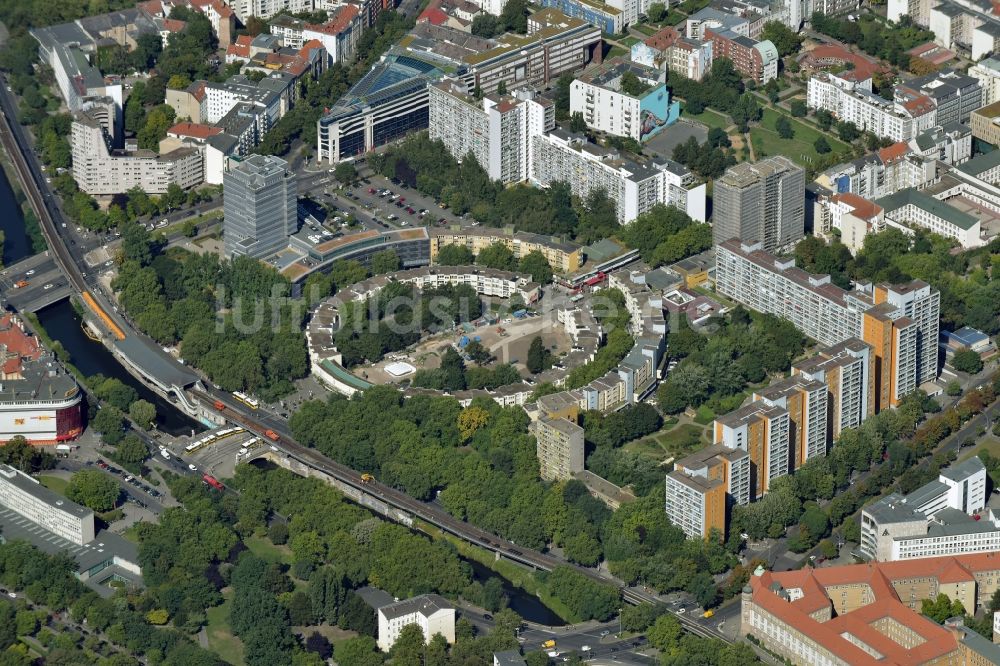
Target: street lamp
[[619, 622]]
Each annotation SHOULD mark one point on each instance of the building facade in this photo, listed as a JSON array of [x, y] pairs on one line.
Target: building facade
[[560, 448], [761, 202], [260, 206], [851, 100], [432, 613], [563, 256], [703, 487], [764, 432], [848, 370], [24, 495]]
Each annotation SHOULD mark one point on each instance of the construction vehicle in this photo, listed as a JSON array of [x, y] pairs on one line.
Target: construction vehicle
[[367, 478], [271, 435]]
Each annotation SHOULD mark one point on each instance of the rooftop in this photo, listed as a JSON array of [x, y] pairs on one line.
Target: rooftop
[[425, 604], [911, 196]]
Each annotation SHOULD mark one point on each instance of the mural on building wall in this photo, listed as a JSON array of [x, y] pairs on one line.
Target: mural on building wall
[[657, 112]]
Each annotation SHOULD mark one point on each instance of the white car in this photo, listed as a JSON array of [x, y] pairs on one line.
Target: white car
[[585, 648], [48, 286], [681, 611], [165, 454], [31, 272], [192, 468]]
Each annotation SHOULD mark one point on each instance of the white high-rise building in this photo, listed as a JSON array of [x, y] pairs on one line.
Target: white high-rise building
[[431, 612], [851, 100]]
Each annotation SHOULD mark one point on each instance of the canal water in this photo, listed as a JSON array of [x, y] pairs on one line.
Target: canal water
[[63, 323], [16, 244], [528, 607]]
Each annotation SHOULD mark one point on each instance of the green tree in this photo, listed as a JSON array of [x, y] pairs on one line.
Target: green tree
[[345, 172], [143, 413], [784, 128], [535, 264], [848, 131], [968, 361], [821, 145], [408, 650], [538, 356], [455, 255], [110, 422], [784, 39], [797, 108], [665, 634], [94, 490], [497, 256], [131, 450], [656, 12], [577, 124], [386, 261]]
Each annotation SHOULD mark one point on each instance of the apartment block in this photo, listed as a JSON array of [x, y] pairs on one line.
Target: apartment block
[[853, 218], [635, 188], [753, 59], [563, 256], [900, 322], [260, 206], [955, 95], [806, 402], [762, 202], [848, 371], [702, 488], [881, 173], [560, 448], [432, 613], [636, 113], [669, 49], [850, 100], [497, 130], [598, 14], [24, 495], [941, 517], [220, 98], [98, 169], [764, 432]]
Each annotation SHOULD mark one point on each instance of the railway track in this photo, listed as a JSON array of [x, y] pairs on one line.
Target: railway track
[[237, 413]]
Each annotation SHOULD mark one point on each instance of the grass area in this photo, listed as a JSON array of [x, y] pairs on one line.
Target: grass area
[[131, 534], [265, 550], [54, 483], [705, 415], [220, 635], [629, 41], [799, 148], [647, 30], [988, 443], [710, 118], [674, 442], [617, 51], [515, 574]]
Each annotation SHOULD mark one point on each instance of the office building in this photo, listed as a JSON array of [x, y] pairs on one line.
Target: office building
[[563, 256], [431, 612], [635, 188], [848, 371], [39, 399], [220, 98], [805, 400], [639, 112], [912, 208], [560, 448], [869, 614], [601, 15], [942, 517], [24, 495], [763, 202], [260, 206], [850, 99], [703, 487], [339, 36], [985, 123], [987, 71], [764, 432], [99, 169], [497, 130]]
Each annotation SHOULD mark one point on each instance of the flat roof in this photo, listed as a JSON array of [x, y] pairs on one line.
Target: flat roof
[[940, 209], [154, 363], [32, 486]]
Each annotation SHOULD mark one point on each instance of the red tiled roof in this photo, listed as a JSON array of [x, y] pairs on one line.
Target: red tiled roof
[[194, 130], [863, 208], [153, 7], [238, 50], [244, 40], [663, 39], [893, 152], [16, 345], [173, 25], [864, 68], [341, 20], [433, 14]]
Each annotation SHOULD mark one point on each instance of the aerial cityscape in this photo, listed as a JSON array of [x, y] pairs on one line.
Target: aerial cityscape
[[499, 332]]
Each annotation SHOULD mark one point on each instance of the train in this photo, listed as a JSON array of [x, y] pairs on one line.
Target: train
[[210, 438], [250, 402]]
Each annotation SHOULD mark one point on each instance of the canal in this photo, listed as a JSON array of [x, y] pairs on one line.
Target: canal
[[527, 606], [63, 323], [16, 245]]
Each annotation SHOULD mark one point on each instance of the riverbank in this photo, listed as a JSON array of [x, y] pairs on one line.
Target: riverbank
[[33, 240], [515, 574]]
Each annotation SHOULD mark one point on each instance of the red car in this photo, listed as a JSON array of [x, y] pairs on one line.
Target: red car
[[102, 464], [401, 199], [371, 190], [410, 210]]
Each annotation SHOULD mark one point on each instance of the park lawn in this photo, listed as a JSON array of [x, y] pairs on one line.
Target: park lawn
[[220, 635], [629, 41], [265, 550], [988, 443], [670, 442], [709, 118], [647, 30], [54, 483], [617, 51], [799, 148]]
